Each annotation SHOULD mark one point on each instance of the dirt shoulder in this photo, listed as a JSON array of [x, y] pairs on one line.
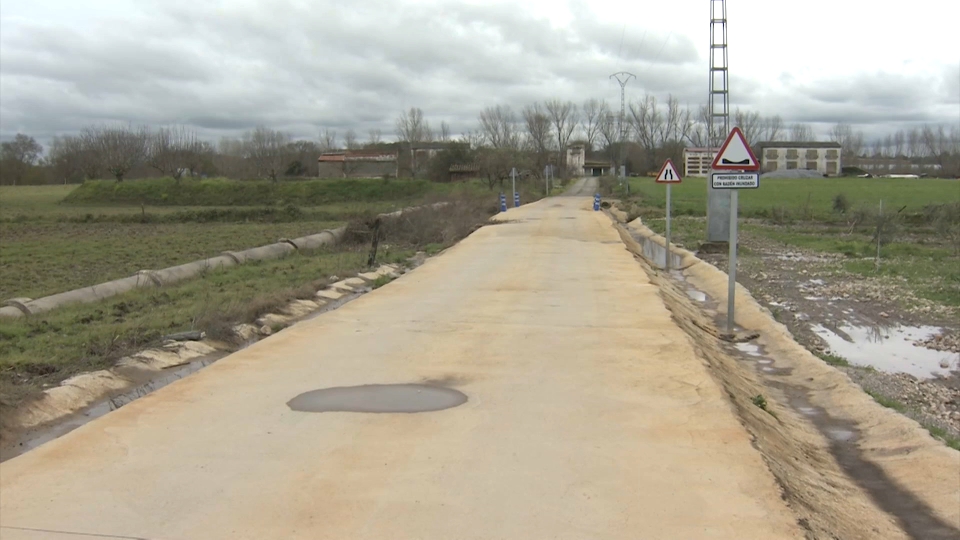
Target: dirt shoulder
[[848, 467]]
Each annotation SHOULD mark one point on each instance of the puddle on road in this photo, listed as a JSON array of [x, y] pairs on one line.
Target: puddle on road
[[889, 349], [379, 398]]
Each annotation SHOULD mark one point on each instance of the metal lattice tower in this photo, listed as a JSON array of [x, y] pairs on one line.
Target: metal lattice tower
[[623, 78], [718, 120]]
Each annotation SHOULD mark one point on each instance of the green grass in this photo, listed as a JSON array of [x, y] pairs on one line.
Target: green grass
[[50, 347], [942, 434], [833, 359], [810, 198], [887, 402], [224, 192], [42, 258]]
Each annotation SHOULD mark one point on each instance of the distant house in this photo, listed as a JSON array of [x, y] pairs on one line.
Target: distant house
[[823, 157], [358, 164], [579, 165], [697, 161]]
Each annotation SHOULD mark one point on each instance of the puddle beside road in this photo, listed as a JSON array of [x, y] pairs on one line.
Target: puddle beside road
[[889, 349], [379, 398]]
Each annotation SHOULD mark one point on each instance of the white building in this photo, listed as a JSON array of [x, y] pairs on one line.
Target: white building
[[576, 157], [823, 157], [697, 161]]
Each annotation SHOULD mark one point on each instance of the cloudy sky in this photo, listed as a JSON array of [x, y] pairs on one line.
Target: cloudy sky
[[226, 66]]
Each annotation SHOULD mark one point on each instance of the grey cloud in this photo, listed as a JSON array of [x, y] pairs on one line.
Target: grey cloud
[[301, 66]]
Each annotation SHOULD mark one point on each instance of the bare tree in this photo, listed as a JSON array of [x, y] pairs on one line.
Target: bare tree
[[773, 129], [800, 132], [499, 127], [899, 140], [19, 155], [267, 151], [375, 137], [609, 133], [750, 123], [120, 148], [350, 140], [594, 112], [328, 140], [413, 128], [444, 131], [169, 150], [565, 118], [66, 157], [539, 134]]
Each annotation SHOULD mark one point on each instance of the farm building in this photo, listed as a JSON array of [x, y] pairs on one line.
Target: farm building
[[697, 161], [358, 164], [578, 164], [823, 157]]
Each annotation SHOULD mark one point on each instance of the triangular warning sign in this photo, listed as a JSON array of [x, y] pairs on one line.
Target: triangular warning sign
[[735, 154], [668, 174]]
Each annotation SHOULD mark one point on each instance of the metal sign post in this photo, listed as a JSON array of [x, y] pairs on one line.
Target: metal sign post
[[668, 175], [513, 175], [736, 156]]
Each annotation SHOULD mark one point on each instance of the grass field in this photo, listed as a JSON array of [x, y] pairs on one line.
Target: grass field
[[921, 250], [807, 198]]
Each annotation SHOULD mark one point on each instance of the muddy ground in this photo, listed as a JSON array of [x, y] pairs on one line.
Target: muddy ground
[[817, 300]]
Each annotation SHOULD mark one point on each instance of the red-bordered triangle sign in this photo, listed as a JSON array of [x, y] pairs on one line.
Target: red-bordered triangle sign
[[735, 154], [668, 174]]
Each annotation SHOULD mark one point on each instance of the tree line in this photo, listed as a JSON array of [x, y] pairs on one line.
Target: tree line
[[529, 138]]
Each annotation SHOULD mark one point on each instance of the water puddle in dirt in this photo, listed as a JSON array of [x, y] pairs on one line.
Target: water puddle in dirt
[[889, 349], [697, 295], [379, 398], [749, 348], [39, 437]]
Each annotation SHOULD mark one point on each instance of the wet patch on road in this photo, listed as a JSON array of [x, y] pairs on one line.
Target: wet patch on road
[[379, 398]]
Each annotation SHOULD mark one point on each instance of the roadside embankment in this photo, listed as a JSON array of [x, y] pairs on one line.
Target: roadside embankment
[[849, 467]]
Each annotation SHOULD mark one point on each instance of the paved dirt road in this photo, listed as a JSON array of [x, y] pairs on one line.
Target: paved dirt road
[[589, 416]]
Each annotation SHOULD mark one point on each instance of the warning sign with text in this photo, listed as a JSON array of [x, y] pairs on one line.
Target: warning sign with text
[[735, 181]]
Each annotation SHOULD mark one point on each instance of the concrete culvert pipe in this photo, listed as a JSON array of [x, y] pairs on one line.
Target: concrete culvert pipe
[[175, 274], [88, 294], [314, 241], [262, 253]]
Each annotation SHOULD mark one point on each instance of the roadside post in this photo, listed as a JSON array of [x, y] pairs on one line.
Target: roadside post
[[546, 181], [668, 175], [596, 202], [503, 202], [516, 200], [516, 196], [742, 171]]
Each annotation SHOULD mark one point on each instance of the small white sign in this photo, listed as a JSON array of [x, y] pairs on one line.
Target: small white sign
[[735, 180]]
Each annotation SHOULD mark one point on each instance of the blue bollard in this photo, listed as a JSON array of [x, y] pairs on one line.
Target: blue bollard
[[516, 199], [596, 202], [503, 202]]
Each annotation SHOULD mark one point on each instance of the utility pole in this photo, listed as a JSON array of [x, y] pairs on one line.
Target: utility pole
[[623, 78], [718, 119]]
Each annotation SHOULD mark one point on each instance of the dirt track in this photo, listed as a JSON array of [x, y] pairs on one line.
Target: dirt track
[[588, 415]]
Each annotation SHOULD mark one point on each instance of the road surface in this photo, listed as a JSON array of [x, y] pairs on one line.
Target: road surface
[[588, 416]]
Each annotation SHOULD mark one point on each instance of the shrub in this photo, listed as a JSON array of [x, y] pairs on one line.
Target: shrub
[[841, 204]]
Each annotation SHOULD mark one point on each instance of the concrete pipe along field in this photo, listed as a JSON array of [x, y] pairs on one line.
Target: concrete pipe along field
[[18, 307]]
